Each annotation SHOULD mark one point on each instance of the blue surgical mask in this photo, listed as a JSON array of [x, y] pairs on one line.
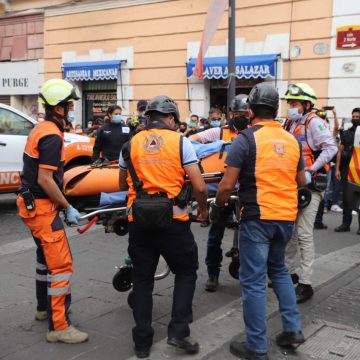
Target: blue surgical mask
[[71, 116], [293, 113], [215, 123], [116, 119]]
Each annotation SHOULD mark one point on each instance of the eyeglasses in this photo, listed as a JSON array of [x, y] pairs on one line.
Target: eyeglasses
[[297, 91]]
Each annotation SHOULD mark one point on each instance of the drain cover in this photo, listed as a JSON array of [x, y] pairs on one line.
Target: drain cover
[[331, 343]]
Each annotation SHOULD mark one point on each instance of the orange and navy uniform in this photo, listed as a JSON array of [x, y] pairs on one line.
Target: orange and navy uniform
[[268, 158], [227, 134], [157, 155], [45, 149]]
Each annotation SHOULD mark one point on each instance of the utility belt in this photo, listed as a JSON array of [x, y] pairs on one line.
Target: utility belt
[[153, 211]]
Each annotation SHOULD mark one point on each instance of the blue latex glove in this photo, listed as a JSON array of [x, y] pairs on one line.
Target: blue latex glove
[[72, 215], [308, 177]]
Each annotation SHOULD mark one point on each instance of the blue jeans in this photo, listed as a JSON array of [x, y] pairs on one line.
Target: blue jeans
[[262, 251]]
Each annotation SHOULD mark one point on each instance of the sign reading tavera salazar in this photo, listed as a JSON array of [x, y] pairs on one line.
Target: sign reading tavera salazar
[[348, 37]]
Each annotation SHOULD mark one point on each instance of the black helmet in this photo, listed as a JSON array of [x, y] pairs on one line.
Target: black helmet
[[163, 104], [264, 94], [239, 103]]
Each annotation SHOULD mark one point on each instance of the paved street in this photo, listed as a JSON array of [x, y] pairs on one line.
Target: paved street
[[104, 313]]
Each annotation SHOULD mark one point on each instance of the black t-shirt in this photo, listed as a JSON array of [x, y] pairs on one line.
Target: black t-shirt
[[347, 140], [109, 141]]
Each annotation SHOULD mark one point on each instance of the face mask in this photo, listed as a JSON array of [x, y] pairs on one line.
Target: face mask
[[192, 124], [239, 123], [71, 116], [293, 113], [116, 119], [78, 131], [355, 122], [182, 130], [215, 123]]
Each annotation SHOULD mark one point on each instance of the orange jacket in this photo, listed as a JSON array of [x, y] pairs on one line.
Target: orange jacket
[[156, 156], [227, 134]]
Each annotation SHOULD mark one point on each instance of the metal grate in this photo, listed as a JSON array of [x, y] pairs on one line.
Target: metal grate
[[330, 343]]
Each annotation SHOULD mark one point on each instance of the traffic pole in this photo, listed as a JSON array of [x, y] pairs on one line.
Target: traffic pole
[[231, 55]]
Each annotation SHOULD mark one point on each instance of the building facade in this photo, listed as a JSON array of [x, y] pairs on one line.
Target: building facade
[[123, 51]]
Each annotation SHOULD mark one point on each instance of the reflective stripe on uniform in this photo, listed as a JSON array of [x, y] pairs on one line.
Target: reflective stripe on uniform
[[179, 211], [40, 266], [58, 291], [40, 277], [59, 277]]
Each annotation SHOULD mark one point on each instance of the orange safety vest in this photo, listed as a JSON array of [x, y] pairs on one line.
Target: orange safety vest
[[156, 156], [268, 189], [227, 134], [300, 133]]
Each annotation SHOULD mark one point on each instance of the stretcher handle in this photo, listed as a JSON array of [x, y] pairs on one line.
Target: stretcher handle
[[88, 225], [102, 211]]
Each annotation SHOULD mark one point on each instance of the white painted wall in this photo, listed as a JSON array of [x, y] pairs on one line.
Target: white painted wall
[[344, 86], [199, 90]]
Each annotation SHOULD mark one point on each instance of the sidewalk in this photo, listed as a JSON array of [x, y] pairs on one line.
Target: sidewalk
[[103, 312]]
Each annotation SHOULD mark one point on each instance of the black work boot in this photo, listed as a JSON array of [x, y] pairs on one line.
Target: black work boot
[[342, 228], [240, 350], [303, 292], [320, 226], [212, 283], [287, 338], [188, 344], [142, 353]]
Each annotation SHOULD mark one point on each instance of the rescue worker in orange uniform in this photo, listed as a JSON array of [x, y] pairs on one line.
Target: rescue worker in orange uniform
[[161, 158], [239, 120], [39, 201], [267, 163], [318, 148]]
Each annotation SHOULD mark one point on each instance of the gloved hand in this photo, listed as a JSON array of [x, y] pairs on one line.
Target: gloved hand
[[72, 215], [215, 212], [308, 177]]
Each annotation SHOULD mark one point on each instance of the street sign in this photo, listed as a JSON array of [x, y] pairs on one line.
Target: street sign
[[348, 37]]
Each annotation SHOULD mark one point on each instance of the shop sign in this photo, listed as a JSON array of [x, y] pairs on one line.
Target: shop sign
[[19, 78], [348, 37]]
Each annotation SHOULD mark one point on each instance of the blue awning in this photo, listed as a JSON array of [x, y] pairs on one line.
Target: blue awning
[[249, 66], [93, 70]]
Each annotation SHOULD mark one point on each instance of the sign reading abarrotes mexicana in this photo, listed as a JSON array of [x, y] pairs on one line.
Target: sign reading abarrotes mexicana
[[97, 70], [255, 66]]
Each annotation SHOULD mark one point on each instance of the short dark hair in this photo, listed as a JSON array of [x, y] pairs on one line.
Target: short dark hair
[[263, 111], [215, 110], [183, 123], [112, 108], [193, 115], [357, 109]]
